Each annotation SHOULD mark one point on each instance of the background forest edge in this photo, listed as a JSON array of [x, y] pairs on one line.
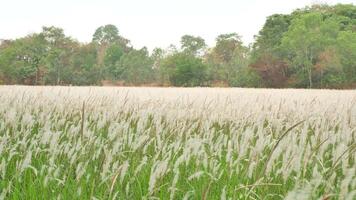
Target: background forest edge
[[313, 47]]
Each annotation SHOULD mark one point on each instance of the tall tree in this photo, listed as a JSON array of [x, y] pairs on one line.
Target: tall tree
[[192, 45], [136, 67], [21, 61], [266, 56], [346, 46], [113, 55], [105, 35], [59, 50], [184, 69], [84, 70], [228, 61], [307, 37], [110, 47]]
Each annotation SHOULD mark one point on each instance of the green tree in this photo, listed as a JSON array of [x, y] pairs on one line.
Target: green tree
[[301, 49], [84, 70], [192, 45], [228, 61], [105, 35], [110, 47], [157, 56], [21, 61], [307, 37], [346, 45], [136, 67], [266, 56], [184, 69], [113, 55]]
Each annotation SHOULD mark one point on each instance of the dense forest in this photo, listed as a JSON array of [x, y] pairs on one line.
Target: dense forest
[[313, 47]]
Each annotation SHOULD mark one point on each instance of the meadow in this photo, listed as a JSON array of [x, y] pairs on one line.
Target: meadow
[[176, 143]]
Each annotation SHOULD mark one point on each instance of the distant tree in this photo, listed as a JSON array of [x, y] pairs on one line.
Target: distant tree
[[311, 47], [348, 11], [273, 71], [307, 37], [59, 50], [136, 67], [266, 56], [226, 46], [157, 56], [113, 55], [184, 69], [171, 49], [105, 35], [192, 45], [303, 49], [108, 35], [21, 61], [328, 70], [228, 61], [346, 46], [110, 47], [84, 70]]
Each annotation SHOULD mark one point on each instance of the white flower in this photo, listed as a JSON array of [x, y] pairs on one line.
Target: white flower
[[196, 175], [158, 170]]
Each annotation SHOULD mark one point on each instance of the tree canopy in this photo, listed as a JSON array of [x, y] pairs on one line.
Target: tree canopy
[[312, 47], [306, 49]]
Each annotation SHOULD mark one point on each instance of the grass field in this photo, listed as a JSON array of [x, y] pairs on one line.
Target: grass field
[[172, 143]]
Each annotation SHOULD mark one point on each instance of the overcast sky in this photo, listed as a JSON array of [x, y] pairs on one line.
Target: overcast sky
[[151, 23]]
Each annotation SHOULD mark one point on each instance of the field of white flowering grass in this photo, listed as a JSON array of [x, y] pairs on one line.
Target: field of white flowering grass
[[175, 143]]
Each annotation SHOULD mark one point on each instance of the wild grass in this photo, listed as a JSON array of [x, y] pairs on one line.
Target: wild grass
[[156, 143]]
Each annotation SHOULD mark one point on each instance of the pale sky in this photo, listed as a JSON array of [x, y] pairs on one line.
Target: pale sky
[[150, 23]]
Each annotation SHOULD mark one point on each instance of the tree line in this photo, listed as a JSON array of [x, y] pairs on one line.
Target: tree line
[[313, 47]]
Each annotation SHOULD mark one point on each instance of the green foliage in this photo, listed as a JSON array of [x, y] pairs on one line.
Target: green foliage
[[302, 42], [246, 77], [106, 34], [84, 68], [192, 45], [312, 47], [135, 67], [60, 53], [270, 36], [307, 47], [228, 61], [184, 69], [21, 60], [346, 45], [112, 56]]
